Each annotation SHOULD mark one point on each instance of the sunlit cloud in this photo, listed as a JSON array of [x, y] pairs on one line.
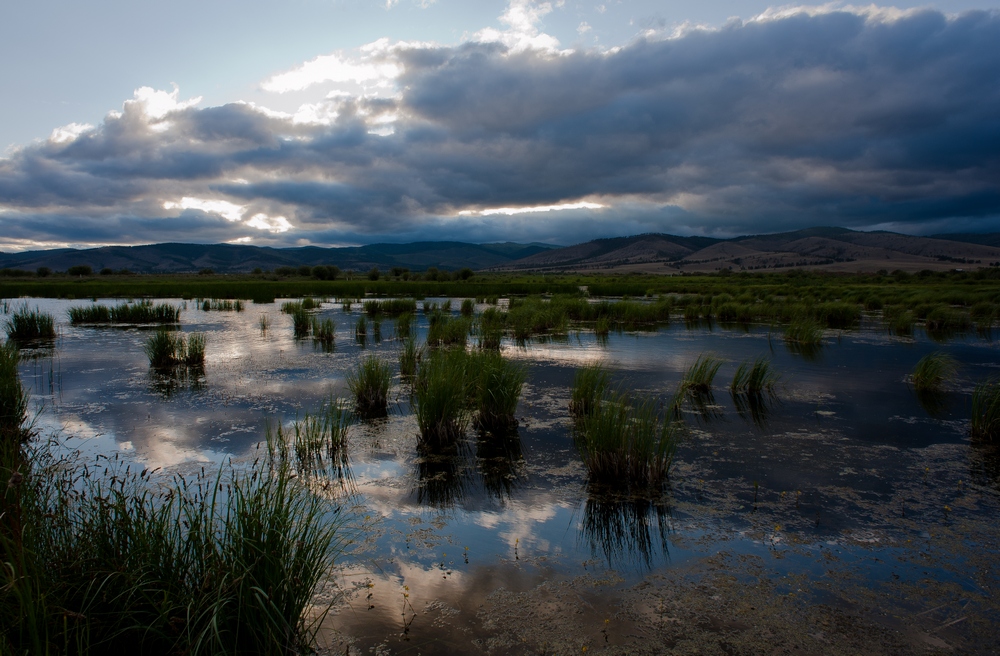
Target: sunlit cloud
[[509, 211], [332, 68], [225, 209], [68, 133]]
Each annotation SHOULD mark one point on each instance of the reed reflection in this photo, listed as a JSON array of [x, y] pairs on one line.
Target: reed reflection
[[627, 532]]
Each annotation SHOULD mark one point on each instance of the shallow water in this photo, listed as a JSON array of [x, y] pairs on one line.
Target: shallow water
[[847, 487]]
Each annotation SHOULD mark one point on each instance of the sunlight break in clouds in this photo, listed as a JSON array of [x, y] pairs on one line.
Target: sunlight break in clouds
[[510, 211]]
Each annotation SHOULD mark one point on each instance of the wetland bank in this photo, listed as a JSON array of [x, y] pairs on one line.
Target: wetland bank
[[835, 510]]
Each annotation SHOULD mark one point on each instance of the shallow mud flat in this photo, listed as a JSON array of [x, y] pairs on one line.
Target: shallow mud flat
[[845, 516]]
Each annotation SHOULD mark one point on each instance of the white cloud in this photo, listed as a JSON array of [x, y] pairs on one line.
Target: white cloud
[[225, 209], [68, 133], [157, 104], [523, 18], [528, 210], [583, 28], [275, 224], [334, 68]]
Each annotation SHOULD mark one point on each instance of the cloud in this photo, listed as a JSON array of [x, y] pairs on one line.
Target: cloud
[[853, 117]]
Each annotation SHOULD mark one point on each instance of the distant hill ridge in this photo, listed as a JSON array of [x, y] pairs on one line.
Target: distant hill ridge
[[829, 248]]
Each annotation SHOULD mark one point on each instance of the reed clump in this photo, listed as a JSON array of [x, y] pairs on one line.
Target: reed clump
[[323, 331], [933, 371], [390, 307], [25, 324], [447, 331], [699, 376], [124, 563], [143, 312], [468, 307], [404, 325], [222, 305], [409, 356], [441, 394], [13, 398], [985, 421], [317, 441], [625, 444], [756, 378], [369, 384], [804, 332], [498, 385], [590, 383], [166, 349]]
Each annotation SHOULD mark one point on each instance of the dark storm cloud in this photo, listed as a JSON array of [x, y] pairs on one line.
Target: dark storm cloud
[[845, 118]]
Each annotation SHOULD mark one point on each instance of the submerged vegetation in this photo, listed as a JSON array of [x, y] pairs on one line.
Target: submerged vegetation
[[318, 442]]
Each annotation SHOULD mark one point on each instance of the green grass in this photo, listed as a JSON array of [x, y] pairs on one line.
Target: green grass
[[468, 307], [440, 395], [699, 376], [404, 325], [144, 312], [27, 325], [222, 305], [125, 564], [323, 331], [985, 421], [756, 378], [409, 356], [369, 384], [13, 398], [167, 349], [264, 323], [932, 372], [625, 444], [390, 307], [498, 384], [318, 443], [590, 383], [804, 332], [447, 331]]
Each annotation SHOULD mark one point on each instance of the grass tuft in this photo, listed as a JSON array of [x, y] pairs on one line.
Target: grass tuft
[[985, 422], [756, 378], [804, 332], [590, 383], [166, 349], [369, 384], [13, 398], [26, 325], [440, 394], [497, 390], [699, 376], [409, 357], [933, 371]]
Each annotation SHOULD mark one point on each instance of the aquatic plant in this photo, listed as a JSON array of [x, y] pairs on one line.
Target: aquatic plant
[[318, 442], [25, 324], [409, 357], [498, 384], [589, 386], [441, 396], [490, 328], [127, 563], [625, 444], [603, 327], [13, 398], [804, 332], [404, 325], [369, 384], [301, 322], [755, 378], [390, 307], [699, 376], [323, 331], [143, 312], [222, 305], [166, 349], [446, 331], [933, 371], [468, 307], [985, 421], [263, 322]]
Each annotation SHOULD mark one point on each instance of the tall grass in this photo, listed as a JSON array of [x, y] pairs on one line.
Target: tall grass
[[985, 422], [625, 444], [13, 398], [933, 371], [699, 376], [446, 331], [318, 442], [409, 357], [124, 564], [26, 325], [302, 322], [590, 383], [404, 325], [390, 307], [440, 395], [222, 305], [468, 307], [166, 349], [804, 332], [144, 312], [498, 384], [323, 332], [369, 384], [756, 378]]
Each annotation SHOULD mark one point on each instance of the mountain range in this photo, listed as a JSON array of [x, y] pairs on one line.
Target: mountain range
[[835, 249]]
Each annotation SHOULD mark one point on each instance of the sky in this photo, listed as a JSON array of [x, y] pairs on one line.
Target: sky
[[346, 122]]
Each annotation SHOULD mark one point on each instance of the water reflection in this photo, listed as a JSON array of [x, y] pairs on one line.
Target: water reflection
[[935, 403], [629, 533], [443, 475], [168, 381], [808, 352], [984, 463], [501, 463], [755, 408]]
